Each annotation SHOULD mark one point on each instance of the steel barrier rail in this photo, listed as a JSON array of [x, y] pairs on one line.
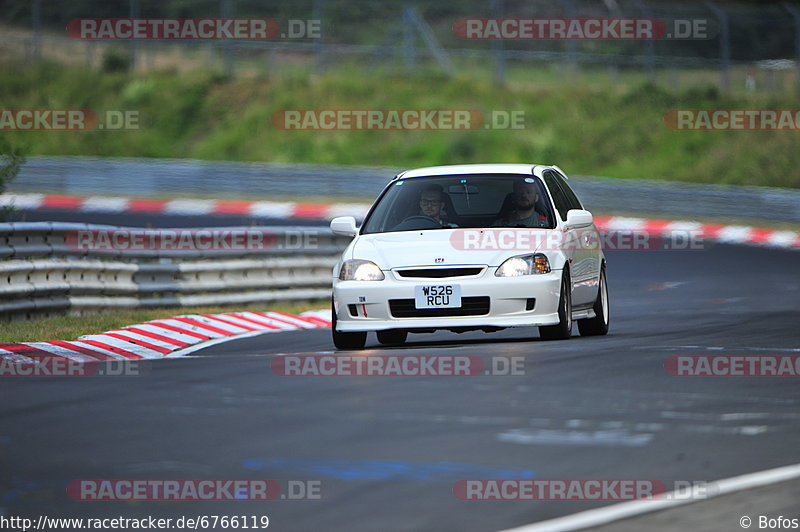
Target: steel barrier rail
[[45, 239], [130, 177], [41, 274]]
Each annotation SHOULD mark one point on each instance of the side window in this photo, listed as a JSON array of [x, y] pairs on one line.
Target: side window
[[573, 199], [559, 198]]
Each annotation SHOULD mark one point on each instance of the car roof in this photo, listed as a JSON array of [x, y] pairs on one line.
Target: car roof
[[456, 169]]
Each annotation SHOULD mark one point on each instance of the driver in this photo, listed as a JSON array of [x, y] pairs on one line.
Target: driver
[[524, 197], [430, 213], [431, 202]]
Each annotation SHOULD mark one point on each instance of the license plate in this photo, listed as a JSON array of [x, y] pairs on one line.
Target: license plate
[[437, 296]]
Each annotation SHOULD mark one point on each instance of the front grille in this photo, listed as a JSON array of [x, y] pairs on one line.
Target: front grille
[[439, 273], [470, 306]]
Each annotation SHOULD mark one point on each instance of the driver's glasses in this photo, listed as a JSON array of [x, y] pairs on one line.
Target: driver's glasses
[[429, 203]]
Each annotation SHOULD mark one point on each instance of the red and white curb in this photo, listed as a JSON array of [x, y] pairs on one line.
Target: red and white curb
[[725, 234], [196, 207], [169, 337], [729, 234]]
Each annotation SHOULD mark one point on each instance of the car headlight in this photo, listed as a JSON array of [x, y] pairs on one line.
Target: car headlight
[[524, 265], [360, 270]]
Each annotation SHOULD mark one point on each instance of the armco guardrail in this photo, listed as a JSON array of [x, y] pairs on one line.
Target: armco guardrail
[[174, 177], [51, 267]]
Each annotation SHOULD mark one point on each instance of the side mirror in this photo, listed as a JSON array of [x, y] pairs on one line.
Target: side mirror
[[344, 225], [578, 218]]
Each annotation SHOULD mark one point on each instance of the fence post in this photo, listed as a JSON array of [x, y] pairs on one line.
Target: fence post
[[795, 13], [498, 9], [36, 18], [724, 44], [226, 11], [569, 10], [317, 13], [430, 41], [90, 53], [409, 48], [613, 67], [649, 47], [135, 12]]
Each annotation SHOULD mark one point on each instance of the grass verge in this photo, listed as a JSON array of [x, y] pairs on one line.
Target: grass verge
[[618, 131]]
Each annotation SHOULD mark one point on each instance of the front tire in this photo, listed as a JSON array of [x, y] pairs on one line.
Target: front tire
[[597, 326], [392, 336], [346, 340], [563, 329]]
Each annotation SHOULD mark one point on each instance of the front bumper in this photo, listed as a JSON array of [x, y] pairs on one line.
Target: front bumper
[[508, 298]]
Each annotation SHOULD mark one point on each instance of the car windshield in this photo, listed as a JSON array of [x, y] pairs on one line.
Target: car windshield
[[447, 202]]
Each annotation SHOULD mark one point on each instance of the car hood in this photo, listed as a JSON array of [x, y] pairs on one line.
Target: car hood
[[439, 247]]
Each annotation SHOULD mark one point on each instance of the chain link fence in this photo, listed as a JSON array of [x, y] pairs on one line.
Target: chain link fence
[[747, 46]]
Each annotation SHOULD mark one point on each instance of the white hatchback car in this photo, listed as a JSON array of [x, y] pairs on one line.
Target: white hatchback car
[[470, 247]]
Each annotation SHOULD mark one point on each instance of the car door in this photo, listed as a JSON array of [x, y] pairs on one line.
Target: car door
[[583, 241]]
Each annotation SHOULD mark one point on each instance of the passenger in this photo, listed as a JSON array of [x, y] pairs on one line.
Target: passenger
[[523, 212]]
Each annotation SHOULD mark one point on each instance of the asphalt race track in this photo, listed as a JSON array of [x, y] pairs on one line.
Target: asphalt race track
[[388, 450]]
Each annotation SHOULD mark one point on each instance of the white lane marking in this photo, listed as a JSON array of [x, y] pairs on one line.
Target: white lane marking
[[321, 314], [22, 201], [190, 327], [208, 343], [214, 322], [240, 322], [356, 210], [744, 430], [142, 338], [104, 204], [621, 223], [272, 209], [263, 319], [720, 348], [666, 285], [783, 239], [291, 319], [15, 358], [727, 416], [611, 438], [625, 510], [122, 344], [153, 327], [737, 416], [62, 352], [734, 234], [184, 206], [682, 227], [98, 349]]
